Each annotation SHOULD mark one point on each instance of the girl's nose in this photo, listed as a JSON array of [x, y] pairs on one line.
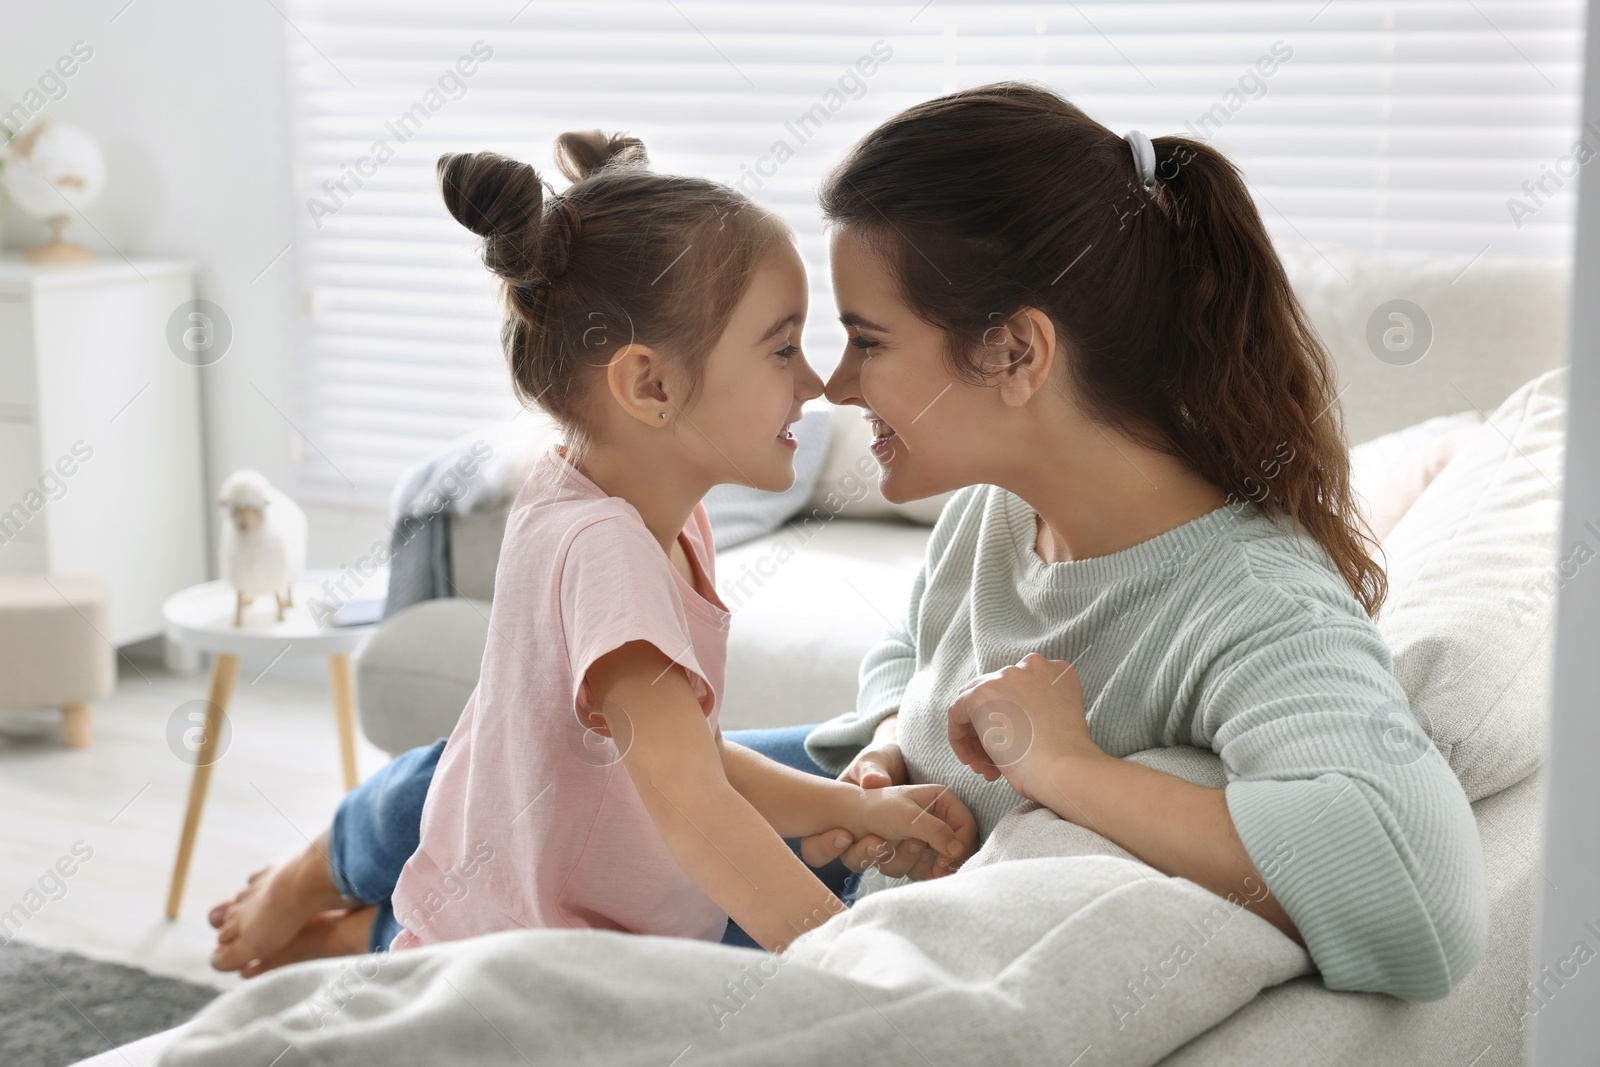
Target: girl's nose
[[809, 384]]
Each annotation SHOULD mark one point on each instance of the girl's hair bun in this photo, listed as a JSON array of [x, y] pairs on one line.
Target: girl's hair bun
[[499, 199], [581, 153], [488, 193]]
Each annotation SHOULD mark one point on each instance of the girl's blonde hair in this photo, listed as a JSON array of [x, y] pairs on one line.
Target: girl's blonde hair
[[622, 255]]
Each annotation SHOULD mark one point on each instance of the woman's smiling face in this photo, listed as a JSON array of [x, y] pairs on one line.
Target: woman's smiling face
[[933, 432]]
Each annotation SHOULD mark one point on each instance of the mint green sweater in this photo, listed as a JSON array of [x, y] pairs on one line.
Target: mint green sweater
[[1228, 633]]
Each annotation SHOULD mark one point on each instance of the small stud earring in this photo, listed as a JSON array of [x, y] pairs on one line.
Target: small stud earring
[[661, 414]]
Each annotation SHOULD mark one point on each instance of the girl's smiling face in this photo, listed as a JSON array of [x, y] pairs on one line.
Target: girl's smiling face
[[754, 382], [932, 431]]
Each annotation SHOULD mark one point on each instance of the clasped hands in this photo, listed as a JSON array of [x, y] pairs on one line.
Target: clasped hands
[[1024, 722]]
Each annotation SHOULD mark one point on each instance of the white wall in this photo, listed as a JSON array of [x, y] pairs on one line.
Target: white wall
[[1565, 1031], [188, 101]]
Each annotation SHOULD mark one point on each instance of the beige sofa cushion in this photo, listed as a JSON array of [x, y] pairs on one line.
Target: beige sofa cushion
[[809, 601], [1472, 569], [414, 675], [1496, 321]]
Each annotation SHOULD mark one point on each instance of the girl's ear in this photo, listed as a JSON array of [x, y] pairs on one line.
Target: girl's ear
[[637, 379], [1021, 352]]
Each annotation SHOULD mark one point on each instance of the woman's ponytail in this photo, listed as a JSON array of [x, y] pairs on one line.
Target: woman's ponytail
[[1276, 402]]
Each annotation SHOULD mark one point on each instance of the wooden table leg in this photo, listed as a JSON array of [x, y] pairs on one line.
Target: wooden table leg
[[224, 669], [77, 722], [344, 714]]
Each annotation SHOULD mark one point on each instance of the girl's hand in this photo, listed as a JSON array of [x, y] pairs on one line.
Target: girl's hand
[[1020, 721], [931, 831], [878, 765]]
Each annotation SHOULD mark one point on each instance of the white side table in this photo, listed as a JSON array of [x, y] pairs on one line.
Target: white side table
[[201, 617]]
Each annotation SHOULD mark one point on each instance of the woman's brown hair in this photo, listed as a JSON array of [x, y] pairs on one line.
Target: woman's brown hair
[[622, 255], [1178, 321]]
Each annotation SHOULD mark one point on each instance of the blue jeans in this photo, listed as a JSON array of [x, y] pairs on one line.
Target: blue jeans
[[378, 824]]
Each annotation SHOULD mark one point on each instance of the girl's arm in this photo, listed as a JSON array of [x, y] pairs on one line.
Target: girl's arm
[[714, 834], [789, 800], [793, 802], [797, 804]]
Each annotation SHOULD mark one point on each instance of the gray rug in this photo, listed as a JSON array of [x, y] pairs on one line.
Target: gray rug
[[57, 1008]]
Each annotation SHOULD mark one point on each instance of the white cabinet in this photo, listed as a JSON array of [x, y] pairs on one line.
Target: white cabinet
[[100, 443]]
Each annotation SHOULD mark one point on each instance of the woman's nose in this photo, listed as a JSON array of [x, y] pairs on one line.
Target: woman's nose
[[842, 384]]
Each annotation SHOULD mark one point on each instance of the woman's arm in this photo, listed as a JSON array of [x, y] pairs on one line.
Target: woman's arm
[[885, 672], [1352, 817], [888, 667], [1041, 744], [1179, 828], [888, 728]]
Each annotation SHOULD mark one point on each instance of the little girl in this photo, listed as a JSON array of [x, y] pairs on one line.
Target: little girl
[[657, 319]]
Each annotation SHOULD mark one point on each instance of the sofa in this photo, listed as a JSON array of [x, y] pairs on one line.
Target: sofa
[[1472, 560], [810, 598]]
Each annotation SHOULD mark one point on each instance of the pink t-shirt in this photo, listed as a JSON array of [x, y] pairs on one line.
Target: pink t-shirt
[[532, 820]]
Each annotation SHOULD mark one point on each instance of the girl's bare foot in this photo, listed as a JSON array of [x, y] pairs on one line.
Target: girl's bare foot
[[274, 906], [219, 914], [331, 933]]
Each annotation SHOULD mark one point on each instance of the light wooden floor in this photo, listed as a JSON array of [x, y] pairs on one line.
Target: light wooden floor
[[276, 785]]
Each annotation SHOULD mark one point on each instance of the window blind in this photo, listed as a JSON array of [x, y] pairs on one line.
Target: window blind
[[1407, 126]]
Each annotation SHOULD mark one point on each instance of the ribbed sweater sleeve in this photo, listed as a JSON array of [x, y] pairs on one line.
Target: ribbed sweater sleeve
[[1380, 865]]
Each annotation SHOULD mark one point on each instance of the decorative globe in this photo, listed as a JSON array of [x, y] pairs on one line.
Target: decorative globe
[[53, 171]]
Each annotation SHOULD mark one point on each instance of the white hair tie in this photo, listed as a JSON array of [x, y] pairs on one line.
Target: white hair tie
[[1144, 157]]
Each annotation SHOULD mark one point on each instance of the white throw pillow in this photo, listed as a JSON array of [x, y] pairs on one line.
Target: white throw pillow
[[1470, 614], [1389, 472]]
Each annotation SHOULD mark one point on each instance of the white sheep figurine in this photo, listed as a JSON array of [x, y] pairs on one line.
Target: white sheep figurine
[[263, 541]]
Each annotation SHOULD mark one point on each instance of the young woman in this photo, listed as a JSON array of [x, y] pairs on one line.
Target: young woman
[[1154, 542], [1156, 545]]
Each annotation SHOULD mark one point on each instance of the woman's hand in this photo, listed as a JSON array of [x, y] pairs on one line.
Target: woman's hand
[[880, 764], [1020, 721]]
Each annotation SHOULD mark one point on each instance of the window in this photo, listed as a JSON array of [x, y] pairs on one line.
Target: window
[[1416, 126]]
